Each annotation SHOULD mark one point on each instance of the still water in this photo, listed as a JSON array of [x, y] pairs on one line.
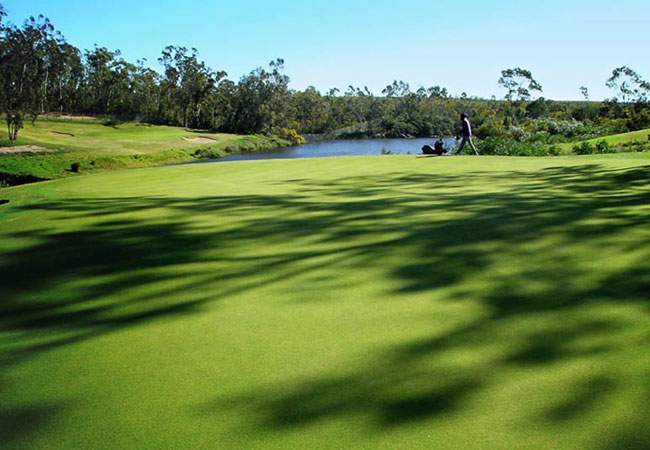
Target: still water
[[343, 147]]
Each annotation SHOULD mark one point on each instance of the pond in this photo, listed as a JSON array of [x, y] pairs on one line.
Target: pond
[[342, 147]]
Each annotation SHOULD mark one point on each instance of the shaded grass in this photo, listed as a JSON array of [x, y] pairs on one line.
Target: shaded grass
[[353, 302]]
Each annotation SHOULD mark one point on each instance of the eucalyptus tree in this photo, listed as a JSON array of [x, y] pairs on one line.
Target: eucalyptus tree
[[634, 95], [187, 83], [145, 91], [28, 57], [629, 86], [520, 86], [66, 87], [223, 107], [101, 78], [406, 118], [437, 92], [260, 100], [310, 110]]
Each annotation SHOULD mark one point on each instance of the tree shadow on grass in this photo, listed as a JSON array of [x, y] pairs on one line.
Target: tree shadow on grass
[[443, 231], [16, 422]]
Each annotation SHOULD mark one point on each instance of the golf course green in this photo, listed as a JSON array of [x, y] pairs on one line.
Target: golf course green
[[389, 302]]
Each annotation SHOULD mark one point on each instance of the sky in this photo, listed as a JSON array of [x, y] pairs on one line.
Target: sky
[[460, 45]]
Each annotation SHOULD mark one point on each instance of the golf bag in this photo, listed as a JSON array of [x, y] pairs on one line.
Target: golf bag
[[437, 149]]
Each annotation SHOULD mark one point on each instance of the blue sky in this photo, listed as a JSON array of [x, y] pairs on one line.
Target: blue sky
[[461, 45]]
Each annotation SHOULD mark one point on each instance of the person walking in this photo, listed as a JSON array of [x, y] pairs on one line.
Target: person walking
[[466, 133]]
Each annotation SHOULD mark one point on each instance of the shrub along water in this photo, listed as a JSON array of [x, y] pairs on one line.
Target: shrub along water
[[511, 147]]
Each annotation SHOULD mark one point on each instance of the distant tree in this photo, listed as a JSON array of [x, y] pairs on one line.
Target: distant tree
[[66, 84], [537, 108], [261, 100], [310, 110], [333, 92], [629, 85], [519, 84], [437, 92], [585, 92], [188, 82], [102, 67], [587, 111], [397, 89], [146, 91]]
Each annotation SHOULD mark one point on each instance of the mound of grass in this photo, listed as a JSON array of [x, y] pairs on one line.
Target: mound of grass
[[632, 141], [365, 302], [99, 146]]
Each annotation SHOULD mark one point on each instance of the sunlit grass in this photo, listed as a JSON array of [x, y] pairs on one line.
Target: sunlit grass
[[363, 302], [101, 146]]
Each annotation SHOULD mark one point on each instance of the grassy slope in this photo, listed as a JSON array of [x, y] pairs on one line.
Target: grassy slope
[[113, 147], [380, 302], [615, 139], [633, 136]]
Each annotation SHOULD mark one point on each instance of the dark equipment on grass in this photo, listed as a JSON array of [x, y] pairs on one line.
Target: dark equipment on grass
[[437, 149]]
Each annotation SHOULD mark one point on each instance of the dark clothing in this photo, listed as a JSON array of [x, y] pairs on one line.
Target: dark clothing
[[467, 128]]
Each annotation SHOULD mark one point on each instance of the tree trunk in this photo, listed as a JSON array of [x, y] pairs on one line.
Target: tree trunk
[[22, 77], [44, 96], [108, 103]]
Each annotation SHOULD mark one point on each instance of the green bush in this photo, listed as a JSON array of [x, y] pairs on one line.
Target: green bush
[[490, 128], [603, 147], [584, 148], [554, 150], [511, 147], [635, 146]]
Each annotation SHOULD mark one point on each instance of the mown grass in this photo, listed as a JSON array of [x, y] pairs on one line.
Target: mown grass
[[368, 302], [620, 142], [101, 146]]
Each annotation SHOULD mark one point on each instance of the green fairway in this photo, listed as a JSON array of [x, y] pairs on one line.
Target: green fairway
[[102, 146], [618, 141], [633, 136], [356, 303]]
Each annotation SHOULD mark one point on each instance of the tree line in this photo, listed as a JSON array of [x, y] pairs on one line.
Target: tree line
[[42, 73]]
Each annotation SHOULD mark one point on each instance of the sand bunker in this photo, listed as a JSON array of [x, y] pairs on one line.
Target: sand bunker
[[200, 140], [25, 149], [60, 133]]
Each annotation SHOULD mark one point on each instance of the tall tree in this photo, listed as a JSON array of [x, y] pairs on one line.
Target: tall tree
[[260, 99], [101, 78], [27, 56], [188, 82], [67, 88], [519, 84], [629, 85]]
